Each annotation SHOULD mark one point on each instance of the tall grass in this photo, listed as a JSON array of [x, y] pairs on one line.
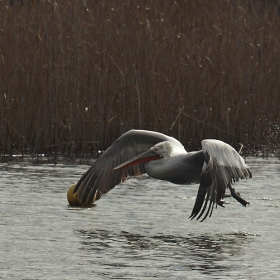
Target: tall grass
[[75, 75]]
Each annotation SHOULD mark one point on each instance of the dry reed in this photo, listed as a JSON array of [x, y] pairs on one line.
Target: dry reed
[[75, 75]]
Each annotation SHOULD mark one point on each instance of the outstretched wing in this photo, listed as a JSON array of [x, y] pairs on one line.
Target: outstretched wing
[[99, 179], [222, 166]]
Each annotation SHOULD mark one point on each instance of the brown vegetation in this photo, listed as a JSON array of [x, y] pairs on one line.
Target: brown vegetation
[[75, 75]]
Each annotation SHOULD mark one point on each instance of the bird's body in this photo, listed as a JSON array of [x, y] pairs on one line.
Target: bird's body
[[181, 169], [163, 157]]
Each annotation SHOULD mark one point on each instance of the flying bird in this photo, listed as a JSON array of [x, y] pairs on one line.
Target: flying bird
[[137, 152]]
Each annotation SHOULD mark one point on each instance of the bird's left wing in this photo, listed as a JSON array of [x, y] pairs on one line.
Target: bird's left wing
[[222, 166], [99, 178]]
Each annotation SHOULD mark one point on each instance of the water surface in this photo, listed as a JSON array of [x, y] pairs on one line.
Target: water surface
[[140, 230]]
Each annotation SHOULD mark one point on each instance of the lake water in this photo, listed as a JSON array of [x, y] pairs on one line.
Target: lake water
[[140, 230]]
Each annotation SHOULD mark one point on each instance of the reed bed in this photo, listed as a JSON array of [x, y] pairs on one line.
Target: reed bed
[[75, 75]]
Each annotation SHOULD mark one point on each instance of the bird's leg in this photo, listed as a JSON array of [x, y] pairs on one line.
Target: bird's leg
[[221, 203], [236, 196]]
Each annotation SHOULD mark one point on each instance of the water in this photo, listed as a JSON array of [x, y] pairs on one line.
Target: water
[[140, 230]]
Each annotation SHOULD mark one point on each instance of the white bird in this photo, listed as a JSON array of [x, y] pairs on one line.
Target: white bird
[[136, 152]]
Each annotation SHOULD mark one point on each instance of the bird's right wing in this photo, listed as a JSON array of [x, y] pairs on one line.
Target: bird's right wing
[[222, 166], [99, 178]]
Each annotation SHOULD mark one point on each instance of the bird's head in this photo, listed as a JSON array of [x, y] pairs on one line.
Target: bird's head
[[161, 150]]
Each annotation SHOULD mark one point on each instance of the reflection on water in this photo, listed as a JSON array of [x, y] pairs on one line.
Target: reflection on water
[[209, 254], [139, 230]]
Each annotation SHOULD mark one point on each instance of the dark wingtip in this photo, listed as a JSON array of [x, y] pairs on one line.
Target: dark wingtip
[[76, 188], [192, 216], [250, 173]]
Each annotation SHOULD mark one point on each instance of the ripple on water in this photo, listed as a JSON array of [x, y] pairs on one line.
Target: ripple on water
[[207, 253]]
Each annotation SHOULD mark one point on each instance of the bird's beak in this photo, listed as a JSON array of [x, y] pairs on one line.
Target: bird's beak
[[147, 156]]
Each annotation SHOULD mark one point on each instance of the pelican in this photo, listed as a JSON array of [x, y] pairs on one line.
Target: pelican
[[137, 152]]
